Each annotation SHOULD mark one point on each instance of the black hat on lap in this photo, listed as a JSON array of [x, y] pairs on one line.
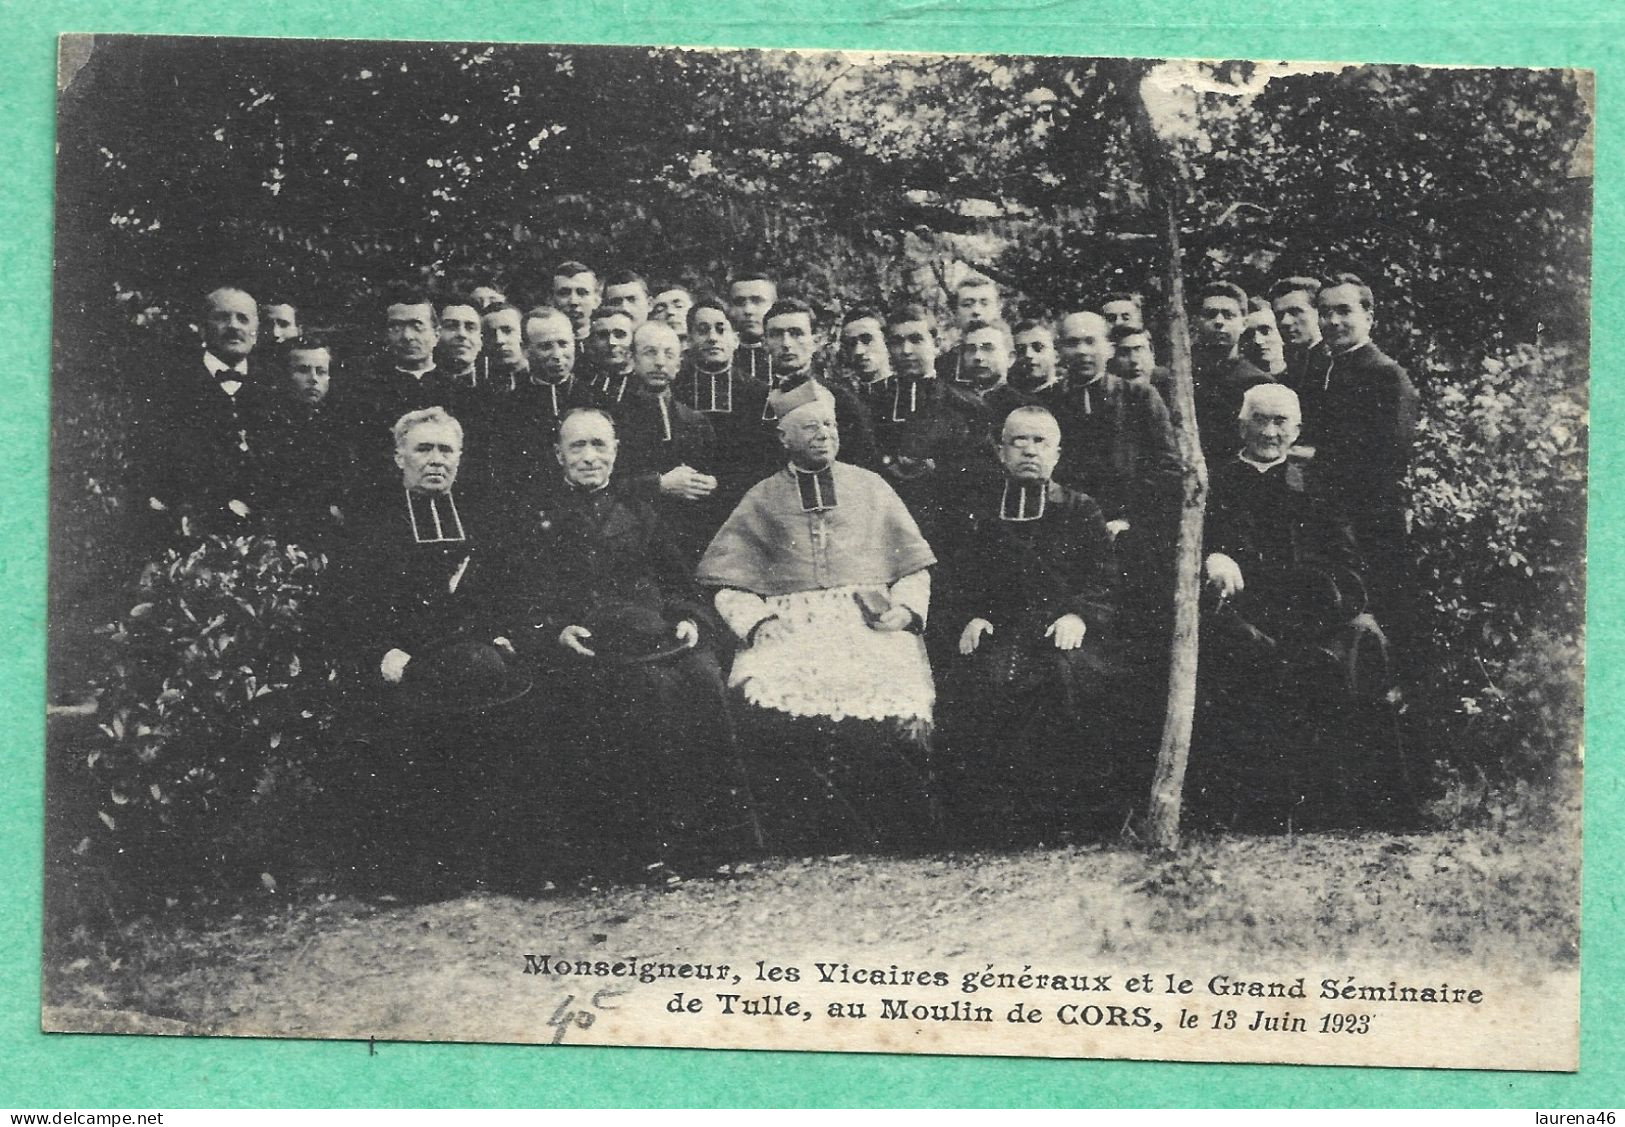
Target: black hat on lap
[[625, 633], [462, 677]]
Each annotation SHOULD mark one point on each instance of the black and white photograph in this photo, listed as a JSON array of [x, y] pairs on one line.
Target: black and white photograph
[[808, 549]]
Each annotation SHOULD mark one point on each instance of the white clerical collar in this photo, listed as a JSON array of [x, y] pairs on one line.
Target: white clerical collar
[[1351, 348], [434, 518], [217, 366], [1261, 467], [1028, 502], [416, 373]]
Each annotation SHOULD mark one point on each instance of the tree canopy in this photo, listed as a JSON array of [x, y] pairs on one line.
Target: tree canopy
[[326, 168]]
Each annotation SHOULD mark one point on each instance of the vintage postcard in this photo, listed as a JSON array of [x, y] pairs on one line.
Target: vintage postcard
[[966, 554]]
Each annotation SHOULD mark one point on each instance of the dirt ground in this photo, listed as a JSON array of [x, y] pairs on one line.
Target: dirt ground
[[309, 962]]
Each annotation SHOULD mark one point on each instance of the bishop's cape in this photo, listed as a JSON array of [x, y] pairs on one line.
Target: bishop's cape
[[805, 548]]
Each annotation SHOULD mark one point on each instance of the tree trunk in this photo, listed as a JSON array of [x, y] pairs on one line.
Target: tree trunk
[[1168, 785], [1163, 177]]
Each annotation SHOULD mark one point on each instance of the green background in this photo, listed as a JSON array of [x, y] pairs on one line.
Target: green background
[[80, 1071]]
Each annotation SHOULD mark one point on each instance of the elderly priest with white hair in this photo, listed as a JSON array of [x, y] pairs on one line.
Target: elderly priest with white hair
[[1297, 725], [423, 784], [822, 576]]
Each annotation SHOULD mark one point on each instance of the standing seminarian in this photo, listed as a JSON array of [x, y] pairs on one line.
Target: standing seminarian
[[1261, 341], [671, 305], [404, 379], [627, 291], [862, 365], [1221, 374], [976, 298], [460, 353], [279, 320], [1123, 308], [308, 454], [576, 293], [950, 438], [1119, 441], [546, 393], [712, 383], [607, 365], [792, 345], [503, 328], [750, 296], [1035, 374], [668, 448], [1120, 450], [1293, 300], [1365, 426], [912, 343]]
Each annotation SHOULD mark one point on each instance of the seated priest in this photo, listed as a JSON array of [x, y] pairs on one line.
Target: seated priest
[[1027, 597], [602, 605], [424, 677], [1296, 726], [822, 576]]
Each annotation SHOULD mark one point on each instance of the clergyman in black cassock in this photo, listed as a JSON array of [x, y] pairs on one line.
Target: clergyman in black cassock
[[1025, 626], [424, 678], [1297, 725], [640, 764]]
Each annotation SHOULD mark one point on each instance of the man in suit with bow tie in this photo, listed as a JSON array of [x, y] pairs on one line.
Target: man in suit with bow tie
[[201, 431]]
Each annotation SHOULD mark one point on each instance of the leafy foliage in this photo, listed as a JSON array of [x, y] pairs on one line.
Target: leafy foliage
[[212, 692], [1498, 495]]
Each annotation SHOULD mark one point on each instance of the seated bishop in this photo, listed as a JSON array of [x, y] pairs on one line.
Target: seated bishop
[[823, 578]]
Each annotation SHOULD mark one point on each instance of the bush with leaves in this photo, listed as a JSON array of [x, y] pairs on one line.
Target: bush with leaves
[[212, 698], [1499, 493]]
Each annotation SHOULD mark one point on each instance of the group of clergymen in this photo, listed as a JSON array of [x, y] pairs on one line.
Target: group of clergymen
[[637, 572]]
